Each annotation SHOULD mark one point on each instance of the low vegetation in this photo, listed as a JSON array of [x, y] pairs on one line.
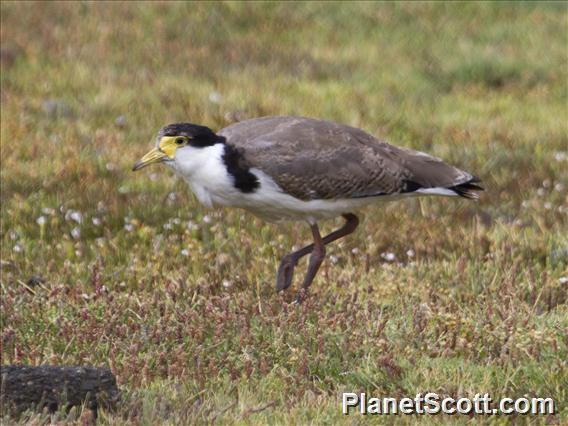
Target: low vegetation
[[104, 267]]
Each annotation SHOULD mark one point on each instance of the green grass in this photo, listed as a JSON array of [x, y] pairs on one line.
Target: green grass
[[186, 316]]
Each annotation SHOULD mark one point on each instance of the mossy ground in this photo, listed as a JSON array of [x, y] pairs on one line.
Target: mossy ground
[[106, 267]]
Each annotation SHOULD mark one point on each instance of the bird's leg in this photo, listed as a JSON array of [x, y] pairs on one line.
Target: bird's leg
[[286, 269], [316, 259], [287, 265]]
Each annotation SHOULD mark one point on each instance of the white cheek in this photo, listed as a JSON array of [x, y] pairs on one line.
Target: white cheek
[[187, 160]]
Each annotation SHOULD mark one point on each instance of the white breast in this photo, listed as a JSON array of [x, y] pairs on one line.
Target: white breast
[[203, 169]]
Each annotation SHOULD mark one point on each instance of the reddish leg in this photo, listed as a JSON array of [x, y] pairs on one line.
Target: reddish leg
[[289, 261]]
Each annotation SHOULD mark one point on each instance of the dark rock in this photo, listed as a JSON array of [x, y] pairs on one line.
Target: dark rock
[[52, 387]]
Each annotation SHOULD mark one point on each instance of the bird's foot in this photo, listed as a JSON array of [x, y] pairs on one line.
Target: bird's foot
[[301, 296], [285, 273]]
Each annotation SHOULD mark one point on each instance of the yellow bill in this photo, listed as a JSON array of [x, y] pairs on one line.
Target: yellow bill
[[154, 156]]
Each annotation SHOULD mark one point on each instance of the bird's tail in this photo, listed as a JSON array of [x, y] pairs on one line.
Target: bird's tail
[[468, 189]]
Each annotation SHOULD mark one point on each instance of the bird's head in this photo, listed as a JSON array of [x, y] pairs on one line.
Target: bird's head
[[175, 141]]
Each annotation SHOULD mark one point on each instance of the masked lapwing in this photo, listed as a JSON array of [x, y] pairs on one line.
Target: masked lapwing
[[301, 169]]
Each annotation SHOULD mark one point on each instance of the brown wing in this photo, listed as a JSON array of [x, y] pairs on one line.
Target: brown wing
[[316, 159]]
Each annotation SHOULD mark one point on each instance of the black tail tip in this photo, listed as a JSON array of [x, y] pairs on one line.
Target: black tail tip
[[468, 189]]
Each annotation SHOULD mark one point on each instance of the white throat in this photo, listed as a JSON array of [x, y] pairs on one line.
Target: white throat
[[205, 172]]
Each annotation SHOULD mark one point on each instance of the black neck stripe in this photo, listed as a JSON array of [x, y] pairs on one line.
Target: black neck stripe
[[236, 164]]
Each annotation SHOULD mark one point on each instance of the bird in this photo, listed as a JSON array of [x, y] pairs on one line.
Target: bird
[[291, 168]]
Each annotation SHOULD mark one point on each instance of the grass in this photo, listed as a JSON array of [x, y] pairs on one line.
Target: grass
[[105, 267]]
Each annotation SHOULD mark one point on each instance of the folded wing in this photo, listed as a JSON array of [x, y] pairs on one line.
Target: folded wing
[[316, 159]]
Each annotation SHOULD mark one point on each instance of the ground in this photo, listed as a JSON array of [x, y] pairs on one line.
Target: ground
[[105, 267]]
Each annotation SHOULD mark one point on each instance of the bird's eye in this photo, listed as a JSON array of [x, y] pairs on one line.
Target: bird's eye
[[180, 141]]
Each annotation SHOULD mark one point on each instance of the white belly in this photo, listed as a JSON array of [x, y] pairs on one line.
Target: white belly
[[270, 202]]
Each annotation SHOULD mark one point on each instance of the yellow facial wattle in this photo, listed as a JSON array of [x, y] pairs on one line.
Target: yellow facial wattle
[[169, 144]]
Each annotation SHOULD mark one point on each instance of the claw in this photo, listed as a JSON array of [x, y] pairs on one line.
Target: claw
[[301, 296]]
